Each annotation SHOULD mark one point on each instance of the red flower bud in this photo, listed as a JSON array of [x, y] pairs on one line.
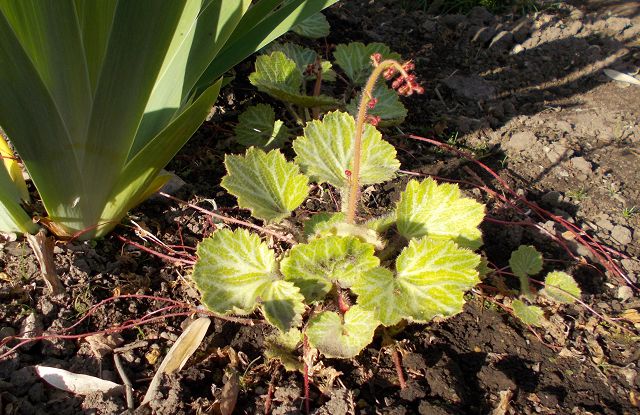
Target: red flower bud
[[373, 119], [372, 103], [397, 83], [376, 58], [389, 73]]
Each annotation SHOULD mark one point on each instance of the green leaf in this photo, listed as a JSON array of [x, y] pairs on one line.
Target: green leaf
[[282, 305], [316, 266], [383, 223], [526, 260], [282, 346], [355, 59], [561, 287], [279, 76], [321, 224], [380, 292], [325, 152], [431, 279], [313, 27], [438, 211], [233, 270], [265, 183], [335, 337], [257, 126], [529, 314], [388, 108], [303, 57]]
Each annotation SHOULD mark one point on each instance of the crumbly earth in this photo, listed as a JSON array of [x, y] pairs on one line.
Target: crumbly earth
[[525, 94]]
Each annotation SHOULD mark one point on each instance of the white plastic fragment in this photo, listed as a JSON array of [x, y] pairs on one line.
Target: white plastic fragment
[[76, 383], [621, 77]]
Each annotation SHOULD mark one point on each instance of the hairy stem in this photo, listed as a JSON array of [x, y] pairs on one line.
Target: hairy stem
[[354, 189]]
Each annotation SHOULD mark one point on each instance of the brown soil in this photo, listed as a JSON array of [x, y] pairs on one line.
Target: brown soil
[[528, 96]]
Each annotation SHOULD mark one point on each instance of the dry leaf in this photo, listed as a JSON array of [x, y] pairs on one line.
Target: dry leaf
[[43, 250], [230, 390], [631, 315], [179, 353], [76, 383], [102, 345], [503, 405], [621, 77]]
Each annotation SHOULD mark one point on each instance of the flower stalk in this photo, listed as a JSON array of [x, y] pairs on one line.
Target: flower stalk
[[405, 84]]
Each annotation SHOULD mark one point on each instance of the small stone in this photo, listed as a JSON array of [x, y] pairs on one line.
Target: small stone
[[582, 165], [481, 15], [521, 141], [453, 20], [429, 26], [624, 293], [631, 264], [564, 126], [558, 152], [604, 224], [621, 234], [472, 87], [517, 49]]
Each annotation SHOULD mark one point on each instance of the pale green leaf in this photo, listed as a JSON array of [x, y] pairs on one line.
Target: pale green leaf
[[439, 211], [433, 276], [561, 287], [233, 270], [380, 292], [279, 76], [355, 59], [282, 305], [313, 27], [321, 224], [389, 108], [528, 314], [316, 266], [325, 151], [343, 337], [383, 223], [282, 346], [303, 57], [265, 183], [525, 260], [257, 126]]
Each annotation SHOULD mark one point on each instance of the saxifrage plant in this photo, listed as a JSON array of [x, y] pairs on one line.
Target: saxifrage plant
[[97, 96], [413, 264]]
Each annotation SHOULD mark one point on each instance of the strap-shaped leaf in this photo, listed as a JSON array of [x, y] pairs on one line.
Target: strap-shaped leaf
[[282, 304], [316, 266], [355, 59], [233, 270], [334, 337], [325, 151], [438, 211], [529, 314], [561, 287], [279, 76], [265, 183], [303, 57], [388, 107], [314, 27], [433, 276], [257, 126], [380, 292], [282, 346]]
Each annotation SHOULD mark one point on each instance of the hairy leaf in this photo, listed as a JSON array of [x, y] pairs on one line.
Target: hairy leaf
[[233, 270], [265, 183], [529, 314], [526, 260], [379, 291], [382, 223], [316, 266], [325, 152], [561, 287], [321, 224], [434, 275], [355, 59], [439, 211], [303, 57], [257, 126], [282, 304], [314, 27], [279, 76], [335, 337], [388, 108], [282, 346]]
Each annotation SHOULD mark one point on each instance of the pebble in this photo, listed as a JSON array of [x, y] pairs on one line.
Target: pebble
[[581, 164], [604, 224], [631, 264], [521, 141], [624, 293], [621, 234]]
